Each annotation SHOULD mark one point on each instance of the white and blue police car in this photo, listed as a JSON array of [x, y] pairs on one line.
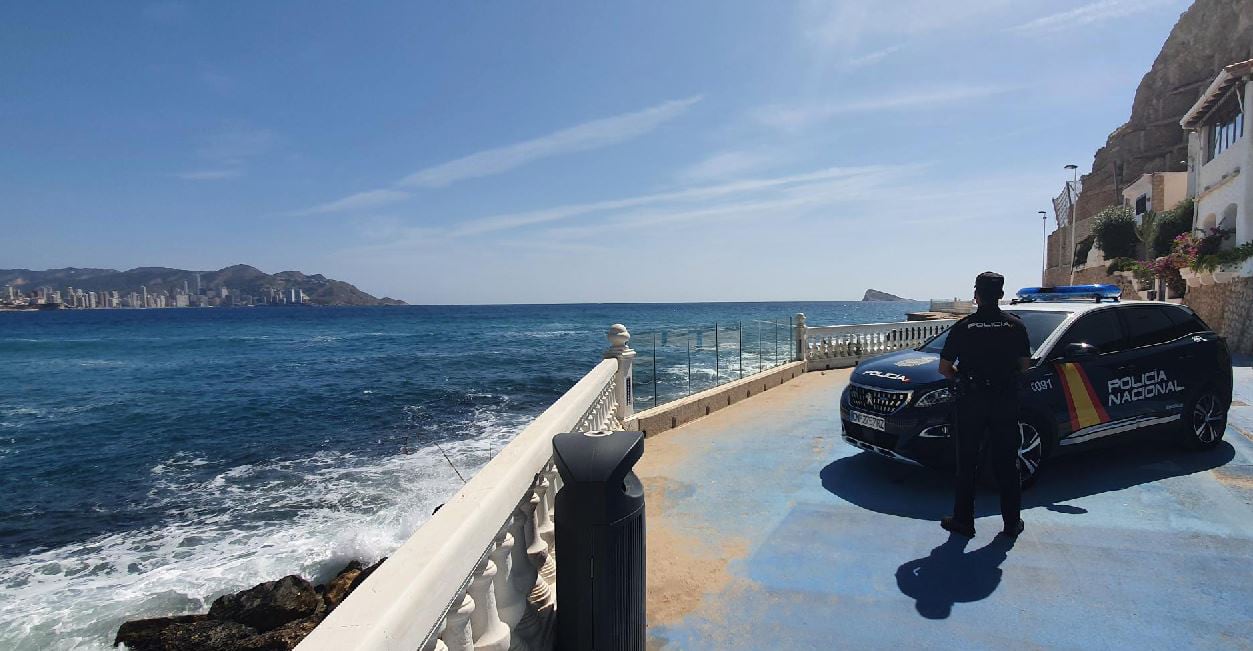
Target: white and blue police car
[[1102, 370]]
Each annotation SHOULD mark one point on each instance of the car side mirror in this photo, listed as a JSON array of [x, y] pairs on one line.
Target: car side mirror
[[1080, 350]]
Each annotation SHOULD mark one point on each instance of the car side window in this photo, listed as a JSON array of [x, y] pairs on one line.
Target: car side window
[[1100, 328], [1186, 321], [1148, 325]]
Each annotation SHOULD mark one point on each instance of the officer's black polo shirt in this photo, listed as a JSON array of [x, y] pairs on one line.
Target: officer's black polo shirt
[[988, 345]]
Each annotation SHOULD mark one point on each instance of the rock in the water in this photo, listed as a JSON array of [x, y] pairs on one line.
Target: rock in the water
[[341, 585], [269, 605], [876, 295], [283, 638], [204, 635], [365, 574], [145, 634]]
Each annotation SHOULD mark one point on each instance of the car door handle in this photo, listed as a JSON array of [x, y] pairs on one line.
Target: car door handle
[[1125, 368]]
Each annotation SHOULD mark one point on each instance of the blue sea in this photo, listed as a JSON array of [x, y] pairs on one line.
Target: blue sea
[[152, 460]]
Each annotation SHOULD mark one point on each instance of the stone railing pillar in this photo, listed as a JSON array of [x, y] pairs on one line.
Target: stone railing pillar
[[490, 634], [457, 635], [798, 336], [619, 349]]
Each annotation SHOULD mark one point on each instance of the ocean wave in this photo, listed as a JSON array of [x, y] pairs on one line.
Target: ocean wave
[[253, 522]]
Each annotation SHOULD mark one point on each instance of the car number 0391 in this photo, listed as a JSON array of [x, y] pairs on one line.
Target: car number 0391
[[866, 420], [1042, 385]]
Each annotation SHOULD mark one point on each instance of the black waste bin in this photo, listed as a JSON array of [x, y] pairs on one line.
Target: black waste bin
[[600, 542]]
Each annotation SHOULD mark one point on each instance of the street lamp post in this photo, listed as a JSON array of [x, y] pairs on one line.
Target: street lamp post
[[1044, 257], [1074, 197]]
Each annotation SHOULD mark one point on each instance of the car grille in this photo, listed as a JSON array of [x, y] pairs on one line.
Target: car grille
[[876, 401]]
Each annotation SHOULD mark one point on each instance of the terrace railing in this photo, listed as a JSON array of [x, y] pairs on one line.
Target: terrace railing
[[679, 362], [841, 346], [481, 573]]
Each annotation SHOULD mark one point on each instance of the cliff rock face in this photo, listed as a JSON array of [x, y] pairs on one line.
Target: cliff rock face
[[1210, 35]]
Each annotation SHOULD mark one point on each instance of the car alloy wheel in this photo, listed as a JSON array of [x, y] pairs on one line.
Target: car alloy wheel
[[1208, 419], [1030, 452]]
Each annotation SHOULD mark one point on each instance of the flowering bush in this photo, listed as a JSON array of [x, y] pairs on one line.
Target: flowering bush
[[1211, 240]]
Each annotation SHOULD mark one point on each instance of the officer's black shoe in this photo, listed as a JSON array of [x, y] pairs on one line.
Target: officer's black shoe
[[959, 528], [1014, 532]]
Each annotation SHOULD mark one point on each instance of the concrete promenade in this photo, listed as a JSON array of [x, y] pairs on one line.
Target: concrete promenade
[[767, 531]]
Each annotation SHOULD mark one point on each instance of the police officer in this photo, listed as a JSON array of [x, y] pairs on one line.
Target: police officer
[[985, 353]]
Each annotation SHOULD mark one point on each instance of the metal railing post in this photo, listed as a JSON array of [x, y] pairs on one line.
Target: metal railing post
[[739, 344], [717, 358]]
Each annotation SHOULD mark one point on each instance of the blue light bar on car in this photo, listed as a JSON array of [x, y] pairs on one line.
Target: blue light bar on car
[[1069, 293]]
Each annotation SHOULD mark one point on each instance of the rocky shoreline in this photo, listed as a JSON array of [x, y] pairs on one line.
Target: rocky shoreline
[[270, 616]]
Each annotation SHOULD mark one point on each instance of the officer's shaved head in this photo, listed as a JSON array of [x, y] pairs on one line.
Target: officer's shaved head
[[989, 287]]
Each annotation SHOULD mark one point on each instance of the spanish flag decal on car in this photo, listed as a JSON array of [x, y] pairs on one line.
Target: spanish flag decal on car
[[1085, 408]]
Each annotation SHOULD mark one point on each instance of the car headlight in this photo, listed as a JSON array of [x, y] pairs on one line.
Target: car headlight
[[937, 397]]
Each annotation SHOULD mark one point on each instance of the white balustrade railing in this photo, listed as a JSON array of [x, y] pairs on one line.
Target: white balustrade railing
[[481, 573], [844, 345]]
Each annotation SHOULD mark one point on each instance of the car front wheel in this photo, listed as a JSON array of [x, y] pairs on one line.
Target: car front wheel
[[1030, 453]]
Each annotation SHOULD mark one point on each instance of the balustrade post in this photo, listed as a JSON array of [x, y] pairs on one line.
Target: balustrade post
[[624, 391], [490, 634], [802, 346], [510, 602], [458, 635], [436, 643]]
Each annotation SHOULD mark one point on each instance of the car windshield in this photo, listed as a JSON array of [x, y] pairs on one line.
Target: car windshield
[[1039, 326]]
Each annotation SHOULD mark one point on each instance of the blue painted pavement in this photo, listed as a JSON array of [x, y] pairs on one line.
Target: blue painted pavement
[[1142, 546]]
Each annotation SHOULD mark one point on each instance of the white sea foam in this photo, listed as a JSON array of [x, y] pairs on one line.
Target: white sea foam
[[257, 522]]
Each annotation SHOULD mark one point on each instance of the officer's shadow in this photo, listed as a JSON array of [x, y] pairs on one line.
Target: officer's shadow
[[949, 575]]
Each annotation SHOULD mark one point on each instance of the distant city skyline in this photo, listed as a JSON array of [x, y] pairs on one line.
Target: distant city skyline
[[457, 153]]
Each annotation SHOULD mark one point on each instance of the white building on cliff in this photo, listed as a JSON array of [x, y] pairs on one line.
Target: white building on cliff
[[1220, 160]]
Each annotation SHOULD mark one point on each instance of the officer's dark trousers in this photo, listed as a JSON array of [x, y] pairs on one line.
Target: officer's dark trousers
[[987, 432]]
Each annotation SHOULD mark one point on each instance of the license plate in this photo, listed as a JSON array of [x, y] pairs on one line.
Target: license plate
[[866, 420]]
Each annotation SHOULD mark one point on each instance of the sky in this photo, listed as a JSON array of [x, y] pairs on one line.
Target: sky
[[544, 152]]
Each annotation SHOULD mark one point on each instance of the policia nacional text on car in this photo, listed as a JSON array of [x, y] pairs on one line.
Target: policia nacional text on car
[[985, 354]]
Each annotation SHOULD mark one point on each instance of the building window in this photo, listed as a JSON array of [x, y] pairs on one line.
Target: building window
[[1226, 126], [1143, 204]]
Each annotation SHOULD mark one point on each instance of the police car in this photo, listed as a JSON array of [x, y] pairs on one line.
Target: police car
[[1101, 370]]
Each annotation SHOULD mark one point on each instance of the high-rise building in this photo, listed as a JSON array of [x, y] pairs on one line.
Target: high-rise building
[[143, 290]]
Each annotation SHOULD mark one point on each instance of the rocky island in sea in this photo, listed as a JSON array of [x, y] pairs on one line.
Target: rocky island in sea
[[876, 295], [236, 285]]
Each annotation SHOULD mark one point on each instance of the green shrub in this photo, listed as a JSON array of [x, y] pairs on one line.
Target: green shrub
[[1082, 249], [1115, 232], [1121, 264], [1170, 224], [1234, 256]]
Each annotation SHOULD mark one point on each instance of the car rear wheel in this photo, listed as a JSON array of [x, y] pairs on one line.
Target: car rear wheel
[[1030, 452], [1206, 419]]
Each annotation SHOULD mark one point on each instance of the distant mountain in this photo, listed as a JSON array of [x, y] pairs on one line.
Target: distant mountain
[[876, 295], [239, 279]]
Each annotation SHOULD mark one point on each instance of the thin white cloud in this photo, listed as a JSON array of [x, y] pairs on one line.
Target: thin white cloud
[[358, 201], [871, 58], [1089, 14], [225, 153], [210, 175], [581, 137], [701, 193], [801, 116], [765, 200], [725, 165]]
